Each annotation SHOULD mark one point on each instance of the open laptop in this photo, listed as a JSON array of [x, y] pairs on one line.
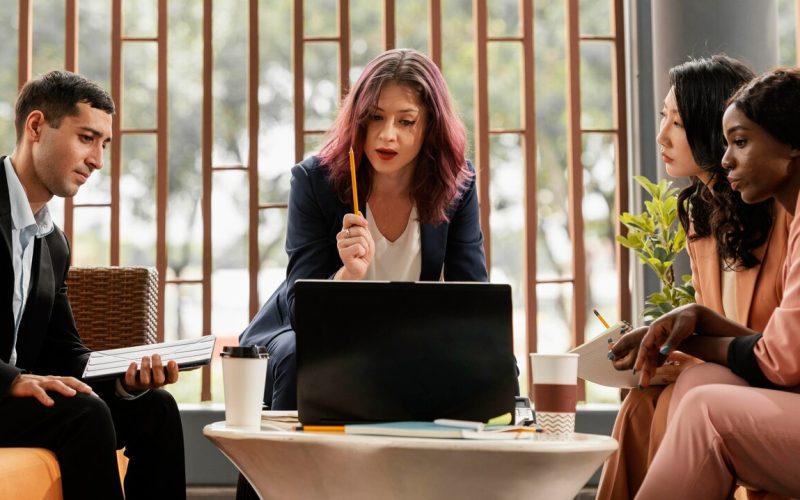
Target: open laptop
[[392, 351]]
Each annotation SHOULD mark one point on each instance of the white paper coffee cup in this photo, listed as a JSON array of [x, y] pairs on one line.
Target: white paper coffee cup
[[555, 391], [244, 373]]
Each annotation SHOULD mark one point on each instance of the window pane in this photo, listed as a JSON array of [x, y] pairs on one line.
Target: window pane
[[9, 35], [94, 41], [137, 202], [505, 60], [275, 95], [48, 36], [595, 17], [600, 220], [554, 328], [503, 17], [140, 18], [319, 18], [140, 84], [321, 85], [412, 24], [230, 82], [229, 231], [272, 256], [596, 85], [366, 33], [90, 243]]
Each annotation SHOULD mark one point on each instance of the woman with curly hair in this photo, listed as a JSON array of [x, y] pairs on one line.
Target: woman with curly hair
[[735, 417], [736, 251]]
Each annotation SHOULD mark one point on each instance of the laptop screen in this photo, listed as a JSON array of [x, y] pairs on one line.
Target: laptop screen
[[390, 351]]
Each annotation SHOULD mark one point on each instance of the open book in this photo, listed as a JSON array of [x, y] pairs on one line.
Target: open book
[[187, 353], [594, 366]]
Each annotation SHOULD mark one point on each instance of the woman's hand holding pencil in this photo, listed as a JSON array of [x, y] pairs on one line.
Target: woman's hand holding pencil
[[354, 242]]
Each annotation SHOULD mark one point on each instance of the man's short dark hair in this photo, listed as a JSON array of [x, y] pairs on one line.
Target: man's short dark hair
[[57, 94]]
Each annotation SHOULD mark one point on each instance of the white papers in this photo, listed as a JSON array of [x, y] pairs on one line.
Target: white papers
[[594, 365], [187, 353]]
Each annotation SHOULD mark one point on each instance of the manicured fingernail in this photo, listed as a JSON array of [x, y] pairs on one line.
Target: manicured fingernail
[[611, 356], [664, 349]]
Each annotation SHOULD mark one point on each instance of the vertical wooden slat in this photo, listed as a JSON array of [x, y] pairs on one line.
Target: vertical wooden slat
[[297, 72], [116, 144], [529, 270], [435, 31], [71, 34], [480, 20], [207, 149], [344, 48], [575, 176], [162, 161], [252, 154], [621, 154], [389, 29], [25, 49]]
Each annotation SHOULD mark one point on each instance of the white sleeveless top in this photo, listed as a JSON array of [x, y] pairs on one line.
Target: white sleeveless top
[[398, 260]]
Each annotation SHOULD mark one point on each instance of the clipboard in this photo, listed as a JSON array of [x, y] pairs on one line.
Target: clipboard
[[188, 353], [594, 366]]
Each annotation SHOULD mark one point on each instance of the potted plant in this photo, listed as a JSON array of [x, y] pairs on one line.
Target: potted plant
[[657, 238]]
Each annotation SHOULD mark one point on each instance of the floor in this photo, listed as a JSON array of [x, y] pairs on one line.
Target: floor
[[229, 493]]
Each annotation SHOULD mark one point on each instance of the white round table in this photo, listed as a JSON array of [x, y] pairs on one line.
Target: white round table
[[298, 465]]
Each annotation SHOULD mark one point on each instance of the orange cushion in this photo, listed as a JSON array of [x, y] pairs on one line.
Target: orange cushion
[[33, 473], [29, 473]]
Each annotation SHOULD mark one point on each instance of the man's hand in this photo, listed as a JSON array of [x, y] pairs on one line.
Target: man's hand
[[36, 386], [151, 375]]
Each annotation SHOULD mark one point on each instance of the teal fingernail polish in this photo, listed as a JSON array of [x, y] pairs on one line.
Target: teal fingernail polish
[[611, 356], [664, 349]]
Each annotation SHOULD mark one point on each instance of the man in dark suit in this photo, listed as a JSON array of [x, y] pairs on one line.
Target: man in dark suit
[[63, 123]]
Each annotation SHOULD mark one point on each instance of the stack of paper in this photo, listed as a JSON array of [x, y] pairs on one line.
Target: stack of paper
[[279, 420]]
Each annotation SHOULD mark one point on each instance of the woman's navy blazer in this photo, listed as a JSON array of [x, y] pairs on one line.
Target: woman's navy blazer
[[452, 250]]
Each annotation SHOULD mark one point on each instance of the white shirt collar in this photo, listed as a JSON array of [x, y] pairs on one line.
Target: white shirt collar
[[22, 216]]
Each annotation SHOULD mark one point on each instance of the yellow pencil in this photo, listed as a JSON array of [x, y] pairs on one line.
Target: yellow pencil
[[601, 318], [323, 428], [353, 180]]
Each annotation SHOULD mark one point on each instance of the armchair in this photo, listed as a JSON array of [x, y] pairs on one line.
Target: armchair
[[113, 307]]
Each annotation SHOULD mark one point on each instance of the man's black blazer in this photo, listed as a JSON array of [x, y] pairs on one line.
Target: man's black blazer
[[47, 341], [451, 250]]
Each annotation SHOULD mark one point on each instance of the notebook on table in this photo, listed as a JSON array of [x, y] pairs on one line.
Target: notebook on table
[[394, 351]]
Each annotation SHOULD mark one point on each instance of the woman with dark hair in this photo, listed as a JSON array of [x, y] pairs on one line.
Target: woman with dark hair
[[420, 218], [736, 251], [736, 416]]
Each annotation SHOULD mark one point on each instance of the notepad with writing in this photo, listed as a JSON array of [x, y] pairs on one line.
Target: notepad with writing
[[594, 365], [433, 430], [187, 353]]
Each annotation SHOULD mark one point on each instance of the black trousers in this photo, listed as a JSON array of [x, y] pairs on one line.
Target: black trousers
[[85, 431]]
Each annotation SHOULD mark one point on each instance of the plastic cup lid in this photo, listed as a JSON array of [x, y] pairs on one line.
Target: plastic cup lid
[[252, 351]]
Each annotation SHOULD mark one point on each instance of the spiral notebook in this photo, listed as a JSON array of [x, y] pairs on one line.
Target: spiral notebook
[[187, 353], [594, 365]]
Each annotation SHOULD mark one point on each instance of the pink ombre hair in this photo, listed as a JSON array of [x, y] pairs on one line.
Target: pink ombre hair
[[441, 171]]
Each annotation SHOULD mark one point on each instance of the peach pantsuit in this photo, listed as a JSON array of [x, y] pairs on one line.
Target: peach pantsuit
[[722, 428], [642, 419]]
